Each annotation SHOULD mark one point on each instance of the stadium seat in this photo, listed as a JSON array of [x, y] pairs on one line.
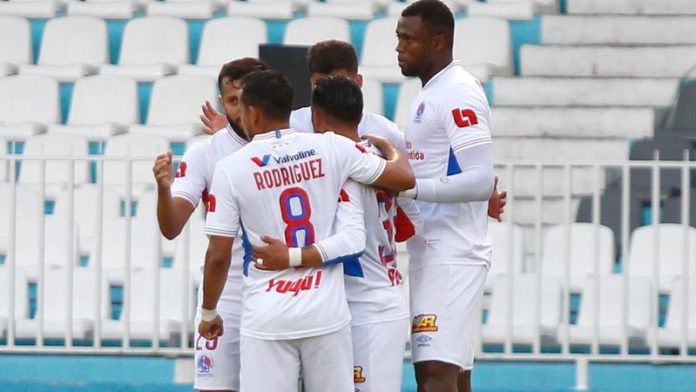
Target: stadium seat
[[175, 106], [106, 9], [86, 209], [221, 43], [57, 248], [373, 99], [15, 44], [101, 106], [308, 31], [146, 211], [144, 244], [56, 295], [197, 245], [512, 10], [524, 310], [88, 48], [4, 161], [351, 10], [141, 150], [407, 94], [671, 250], [28, 202], [27, 104], [152, 47], [671, 334], [30, 9], [276, 10], [197, 9], [582, 252], [21, 303], [503, 250], [176, 306], [632, 7], [378, 60], [57, 151], [610, 312], [483, 45]]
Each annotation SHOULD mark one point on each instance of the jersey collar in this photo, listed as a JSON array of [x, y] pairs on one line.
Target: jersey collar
[[274, 134], [234, 135], [443, 71]]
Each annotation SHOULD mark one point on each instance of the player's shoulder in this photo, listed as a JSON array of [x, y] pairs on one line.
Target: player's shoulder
[[458, 84], [376, 124], [301, 119]]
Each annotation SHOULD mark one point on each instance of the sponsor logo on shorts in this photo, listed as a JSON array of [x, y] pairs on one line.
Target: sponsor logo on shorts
[[205, 366], [358, 376], [424, 323], [423, 340]]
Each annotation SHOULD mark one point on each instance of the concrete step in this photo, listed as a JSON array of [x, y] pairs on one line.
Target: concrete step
[[538, 91], [609, 61]]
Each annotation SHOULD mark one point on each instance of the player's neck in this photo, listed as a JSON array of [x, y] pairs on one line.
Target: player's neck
[[438, 66], [269, 126], [349, 131]]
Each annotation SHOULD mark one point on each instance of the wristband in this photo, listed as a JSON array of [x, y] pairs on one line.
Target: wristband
[[208, 314], [294, 257], [410, 193]]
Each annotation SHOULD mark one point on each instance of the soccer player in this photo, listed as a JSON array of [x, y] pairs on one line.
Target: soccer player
[[175, 204], [449, 142], [287, 185], [373, 284]]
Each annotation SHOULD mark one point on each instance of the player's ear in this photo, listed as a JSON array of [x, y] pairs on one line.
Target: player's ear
[[440, 42], [358, 79], [222, 104]]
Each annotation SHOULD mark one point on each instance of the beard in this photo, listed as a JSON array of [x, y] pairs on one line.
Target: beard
[[237, 128]]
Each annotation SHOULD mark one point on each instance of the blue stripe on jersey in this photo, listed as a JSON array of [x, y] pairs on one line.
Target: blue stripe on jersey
[[452, 165], [247, 251], [351, 264]]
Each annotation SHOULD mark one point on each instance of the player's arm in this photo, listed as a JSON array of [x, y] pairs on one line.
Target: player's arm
[[347, 242], [172, 212], [397, 174], [221, 225]]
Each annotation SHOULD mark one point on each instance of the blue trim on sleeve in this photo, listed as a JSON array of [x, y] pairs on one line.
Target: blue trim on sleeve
[[452, 164], [351, 264], [246, 245]]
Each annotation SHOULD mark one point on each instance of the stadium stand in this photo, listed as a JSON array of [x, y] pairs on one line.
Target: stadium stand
[[671, 335], [106, 9], [21, 302], [24, 112], [15, 44], [308, 31], [504, 250], [140, 146]]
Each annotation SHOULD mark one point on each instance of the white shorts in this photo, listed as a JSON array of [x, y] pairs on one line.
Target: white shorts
[[324, 362], [217, 361], [445, 301], [378, 356]]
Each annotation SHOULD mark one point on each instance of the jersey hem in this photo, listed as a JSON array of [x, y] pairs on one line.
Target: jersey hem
[[297, 335], [370, 321]]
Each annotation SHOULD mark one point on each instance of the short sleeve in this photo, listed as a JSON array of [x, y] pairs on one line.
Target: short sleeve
[[190, 179], [222, 218], [466, 116], [356, 161]]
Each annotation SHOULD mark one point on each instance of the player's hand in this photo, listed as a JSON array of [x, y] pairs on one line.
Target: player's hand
[[273, 256], [211, 329], [377, 141], [212, 120], [496, 204], [163, 171]]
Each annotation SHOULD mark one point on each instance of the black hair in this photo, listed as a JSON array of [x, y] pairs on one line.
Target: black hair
[[238, 69], [435, 15], [270, 91], [340, 98], [329, 56]]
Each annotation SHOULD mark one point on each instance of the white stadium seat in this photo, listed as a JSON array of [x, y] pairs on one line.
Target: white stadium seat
[[144, 243], [56, 293], [57, 249], [524, 310], [24, 111], [142, 150], [610, 312], [632, 7], [181, 9], [21, 303], [513, 10], [28, 202], [503, 250], [671, 334], [88, 48], [101, 106], [670, 259], [174, 295], [4, 161], [407, 94], [15, 44], [197, 245], [378, 60], [152, 47], [373, 98], [351, 10], [308, 31], [221, 43], [276, 10], [483, 45], [34, 9], [107, 9], [175, 106], [57, 151], [582, 252]]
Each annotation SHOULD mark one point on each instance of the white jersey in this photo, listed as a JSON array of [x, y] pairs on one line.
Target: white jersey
[[286, 184], [370, 123], [450, 114], [192, 182]]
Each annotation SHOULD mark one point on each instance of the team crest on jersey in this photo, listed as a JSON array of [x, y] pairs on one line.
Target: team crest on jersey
[[358, 376], [419, 113], [205, 365], [261, 162], [424, 323]]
